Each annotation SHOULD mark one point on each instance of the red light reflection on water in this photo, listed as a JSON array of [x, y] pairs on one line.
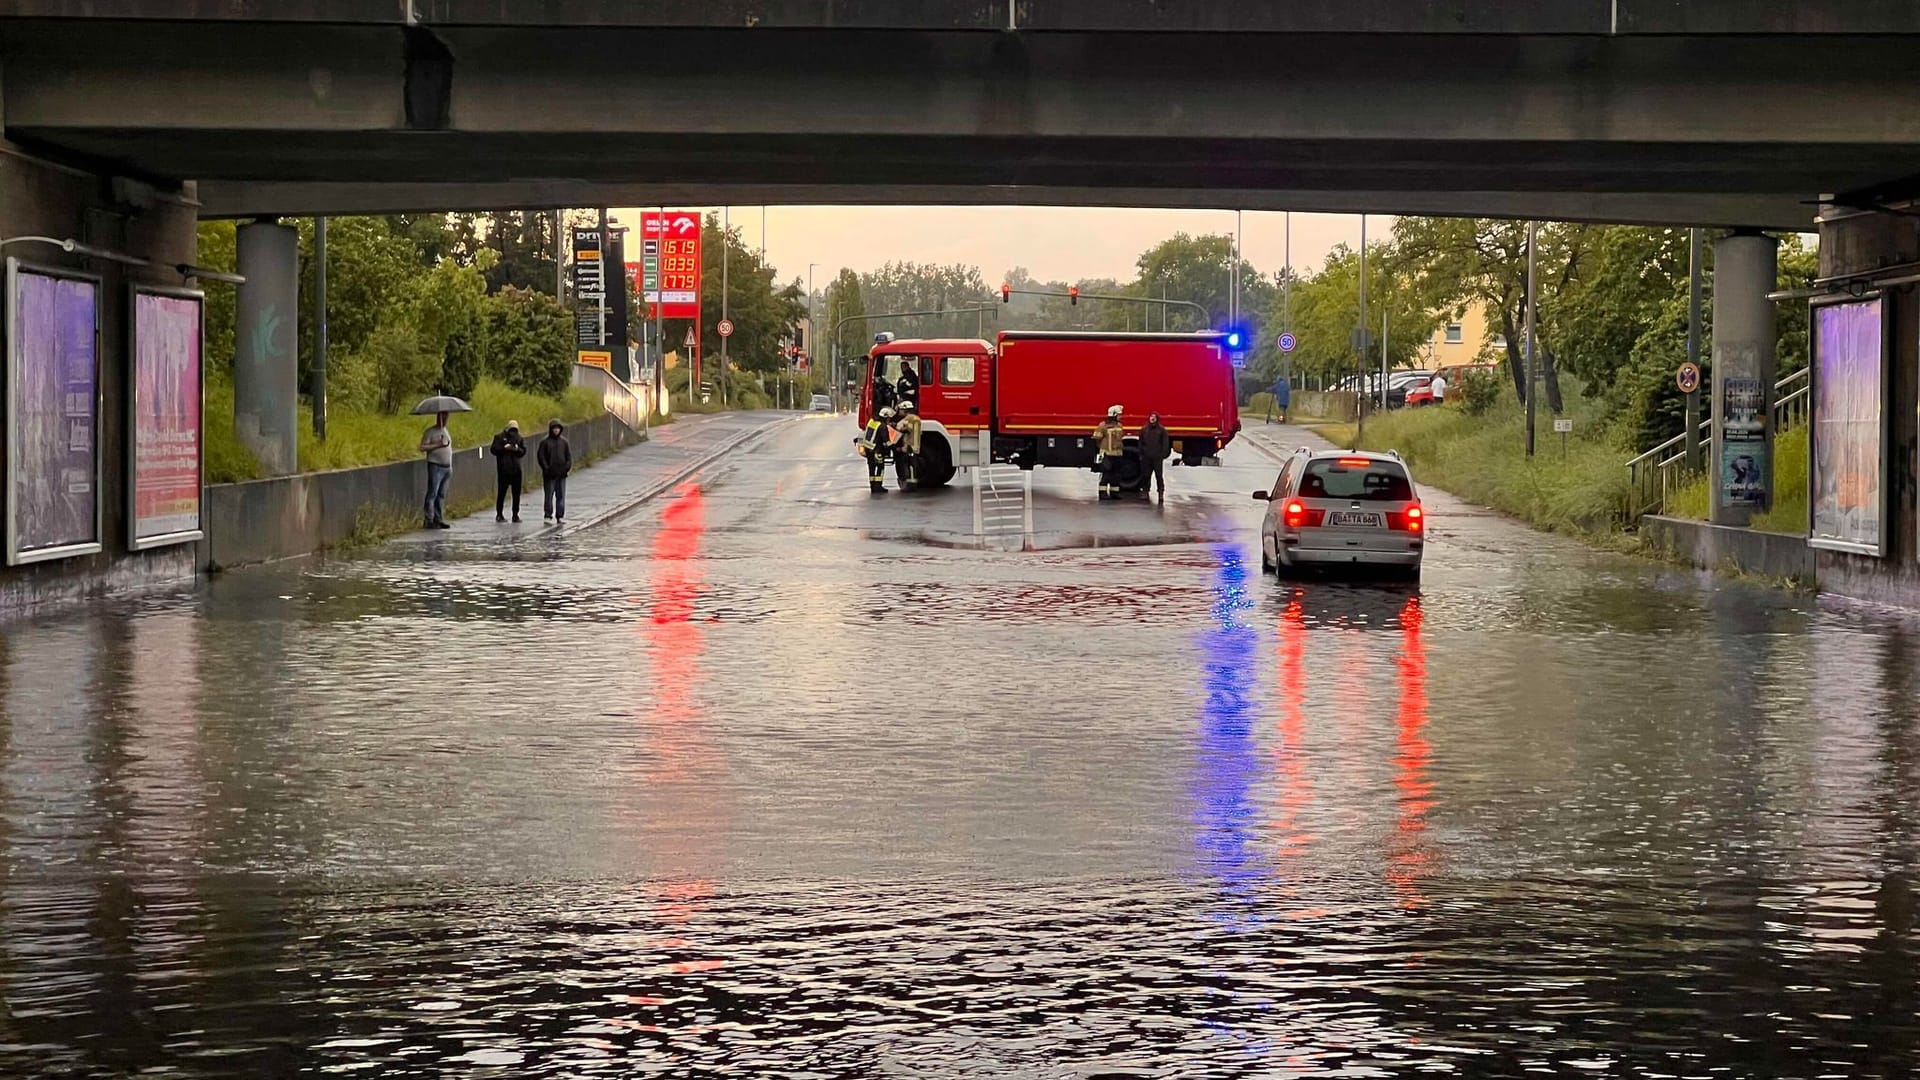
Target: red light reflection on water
[[1296, 786], [1409, 857], [676, 736]]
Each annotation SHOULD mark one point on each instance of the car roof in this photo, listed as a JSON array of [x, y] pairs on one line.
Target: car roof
[[1387, 457]]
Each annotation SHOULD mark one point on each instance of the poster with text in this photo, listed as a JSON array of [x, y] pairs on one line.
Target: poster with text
[[1743, 453], [1849, 464], [53, 507], [166, 437]]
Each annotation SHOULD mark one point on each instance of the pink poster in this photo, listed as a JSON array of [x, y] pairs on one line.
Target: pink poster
[[166, 418]]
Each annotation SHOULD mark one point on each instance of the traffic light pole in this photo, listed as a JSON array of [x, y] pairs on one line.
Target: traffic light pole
[[1076, 297]]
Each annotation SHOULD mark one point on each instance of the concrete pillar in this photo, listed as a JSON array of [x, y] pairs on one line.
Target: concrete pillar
[[1740, 472], [266, 360]]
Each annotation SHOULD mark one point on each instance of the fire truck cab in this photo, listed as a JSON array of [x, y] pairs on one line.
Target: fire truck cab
[[955, 402]]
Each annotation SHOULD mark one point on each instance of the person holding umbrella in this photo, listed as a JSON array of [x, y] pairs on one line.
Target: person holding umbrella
[[437, 444]]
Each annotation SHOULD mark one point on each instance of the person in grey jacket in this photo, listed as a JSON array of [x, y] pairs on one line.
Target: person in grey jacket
[[1156, 446], [555, 458]]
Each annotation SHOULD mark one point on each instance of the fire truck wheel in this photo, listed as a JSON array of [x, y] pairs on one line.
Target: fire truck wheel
[[1130, 475], [936, 467]]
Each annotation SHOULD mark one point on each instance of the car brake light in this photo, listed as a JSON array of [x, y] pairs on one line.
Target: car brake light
[[1358, 462], [1413, 520], [1297, 515]]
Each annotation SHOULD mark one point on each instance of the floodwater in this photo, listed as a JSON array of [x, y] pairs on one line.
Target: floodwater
[[771, 778]]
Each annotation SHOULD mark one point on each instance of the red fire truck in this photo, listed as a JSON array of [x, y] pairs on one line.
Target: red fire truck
[[1036, 397]]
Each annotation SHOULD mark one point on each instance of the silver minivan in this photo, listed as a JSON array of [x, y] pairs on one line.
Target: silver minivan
[[1343, 509]]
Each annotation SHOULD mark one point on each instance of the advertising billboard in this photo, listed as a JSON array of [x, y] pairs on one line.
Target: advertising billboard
[[589, 290], [1848, 467], [53, 414], [164, 440], [668, 273]]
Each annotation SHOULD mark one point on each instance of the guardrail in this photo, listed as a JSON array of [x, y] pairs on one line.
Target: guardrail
[[1659, 472], [630, 404]]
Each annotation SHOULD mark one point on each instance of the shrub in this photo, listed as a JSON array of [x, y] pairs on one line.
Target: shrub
[[465, 361], [1477, 392], [530, 342]]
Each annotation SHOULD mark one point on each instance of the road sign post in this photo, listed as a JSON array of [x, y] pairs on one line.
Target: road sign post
[[1562, 426]]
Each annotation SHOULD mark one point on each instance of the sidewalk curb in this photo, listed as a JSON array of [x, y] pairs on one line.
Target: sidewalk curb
[[622, 506]]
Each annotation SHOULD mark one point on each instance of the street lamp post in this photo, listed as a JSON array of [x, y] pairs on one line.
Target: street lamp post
[[813, 330]]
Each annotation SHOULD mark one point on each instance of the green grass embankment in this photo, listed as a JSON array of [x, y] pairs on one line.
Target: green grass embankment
[[359, 439], [1482, 459], [1789, 513]]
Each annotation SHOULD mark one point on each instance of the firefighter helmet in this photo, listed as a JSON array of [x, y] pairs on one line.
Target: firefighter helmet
[[906, 406], [1115, 411], [886, 412]]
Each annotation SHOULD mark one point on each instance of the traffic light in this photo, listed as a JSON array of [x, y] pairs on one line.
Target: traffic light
[[1073, 295], [1006, 293]]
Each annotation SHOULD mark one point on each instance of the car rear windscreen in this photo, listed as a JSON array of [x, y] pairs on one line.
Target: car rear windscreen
[[1379, 481]]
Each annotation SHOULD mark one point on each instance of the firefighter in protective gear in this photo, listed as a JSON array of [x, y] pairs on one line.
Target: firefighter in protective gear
[[1110, 440], [875, 443], [906, 456]]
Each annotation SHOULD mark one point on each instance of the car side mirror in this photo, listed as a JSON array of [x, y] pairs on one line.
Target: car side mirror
[[1261, 496]]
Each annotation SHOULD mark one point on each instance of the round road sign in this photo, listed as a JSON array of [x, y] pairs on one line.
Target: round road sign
[[1688, 377], [1287, 342], [725, 329]]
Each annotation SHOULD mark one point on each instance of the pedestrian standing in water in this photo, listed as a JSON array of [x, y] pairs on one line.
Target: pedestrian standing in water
[[437, 444], [507, 450], [555, 459], [1156, 446], [1110, 448]]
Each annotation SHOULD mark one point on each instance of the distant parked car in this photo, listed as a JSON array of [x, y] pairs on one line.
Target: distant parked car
[[1399, 382], [820, 403]]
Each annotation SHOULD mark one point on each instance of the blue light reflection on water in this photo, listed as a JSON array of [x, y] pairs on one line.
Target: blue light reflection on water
[[1227, 765]]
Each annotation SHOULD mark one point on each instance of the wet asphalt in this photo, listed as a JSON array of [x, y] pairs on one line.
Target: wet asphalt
[[766, 776]]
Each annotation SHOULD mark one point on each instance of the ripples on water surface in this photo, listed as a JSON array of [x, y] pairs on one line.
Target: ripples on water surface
[[1145, 814]]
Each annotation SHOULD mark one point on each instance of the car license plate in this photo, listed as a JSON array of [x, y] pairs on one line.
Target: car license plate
[[1354, 519]]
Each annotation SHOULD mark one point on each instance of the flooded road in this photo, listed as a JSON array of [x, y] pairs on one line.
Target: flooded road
[[772, 778]]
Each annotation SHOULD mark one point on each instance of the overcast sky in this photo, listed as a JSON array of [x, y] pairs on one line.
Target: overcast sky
[[1053, 243]]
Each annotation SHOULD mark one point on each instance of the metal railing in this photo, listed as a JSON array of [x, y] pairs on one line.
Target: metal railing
[[1656, 474], [629, 403]]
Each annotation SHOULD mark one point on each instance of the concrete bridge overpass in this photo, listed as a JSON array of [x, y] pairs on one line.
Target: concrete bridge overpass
[[1718, 112]]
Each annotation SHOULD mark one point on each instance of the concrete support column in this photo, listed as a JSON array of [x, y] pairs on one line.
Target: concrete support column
[[1745, 268], [266, 392]]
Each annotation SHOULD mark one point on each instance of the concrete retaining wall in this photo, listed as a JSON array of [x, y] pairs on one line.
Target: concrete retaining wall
[[1343, 405], [286, 516], [1718, 547]]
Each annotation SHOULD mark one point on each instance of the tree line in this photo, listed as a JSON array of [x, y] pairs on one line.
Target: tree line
[[422, 302], [426, 303]]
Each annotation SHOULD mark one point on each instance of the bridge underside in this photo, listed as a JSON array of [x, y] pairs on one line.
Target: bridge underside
[[274, 117]]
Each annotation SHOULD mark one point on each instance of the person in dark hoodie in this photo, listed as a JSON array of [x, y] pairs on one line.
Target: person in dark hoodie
[[556, 461], [1156, 446], [507, 450]]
